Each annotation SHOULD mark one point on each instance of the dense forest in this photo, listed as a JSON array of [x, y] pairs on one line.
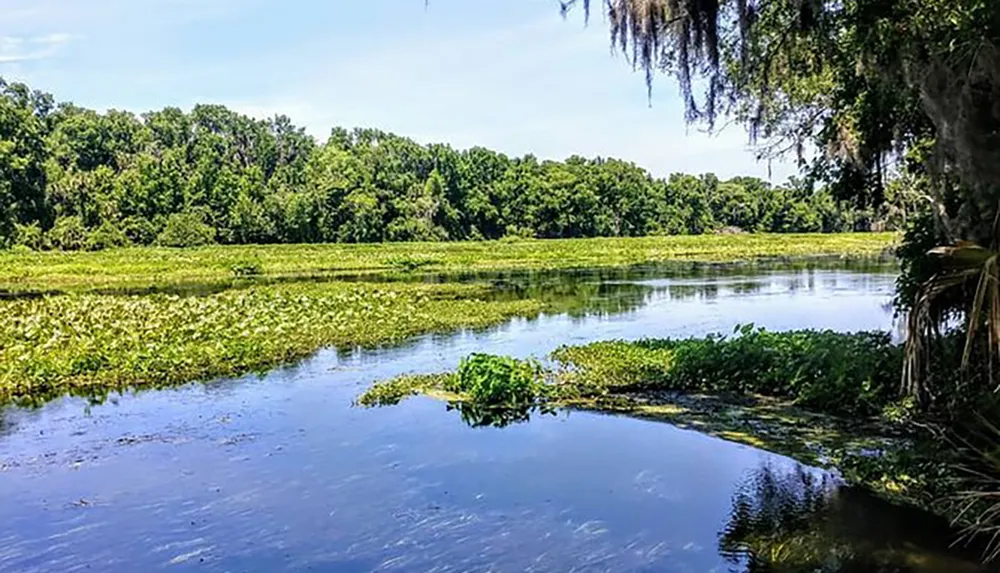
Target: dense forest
[[72, 178]]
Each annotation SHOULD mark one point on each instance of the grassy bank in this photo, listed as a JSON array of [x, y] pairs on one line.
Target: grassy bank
[[151, 267]]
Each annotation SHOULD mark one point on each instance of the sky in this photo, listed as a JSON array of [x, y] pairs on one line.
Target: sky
[[510, 75]]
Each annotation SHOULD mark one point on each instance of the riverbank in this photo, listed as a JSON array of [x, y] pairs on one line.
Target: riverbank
[[159, 268]]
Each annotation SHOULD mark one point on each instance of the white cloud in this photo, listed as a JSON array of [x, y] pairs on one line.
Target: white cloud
[[15, 49]]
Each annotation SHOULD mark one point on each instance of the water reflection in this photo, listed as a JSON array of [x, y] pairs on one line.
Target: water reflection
[[791, 520], [477, 416], [540, 280]]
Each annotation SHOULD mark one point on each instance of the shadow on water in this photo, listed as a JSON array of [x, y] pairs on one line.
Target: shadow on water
[[797, 520]]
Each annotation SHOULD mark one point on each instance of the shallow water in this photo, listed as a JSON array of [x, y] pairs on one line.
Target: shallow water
[[281, 473]]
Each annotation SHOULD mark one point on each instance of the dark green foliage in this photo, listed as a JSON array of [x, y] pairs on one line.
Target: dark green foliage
[[257, 181], [185, 230], [139, 230], [23, 128]]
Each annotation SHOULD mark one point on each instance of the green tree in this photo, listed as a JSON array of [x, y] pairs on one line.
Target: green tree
[[23, 116], [186, 230]]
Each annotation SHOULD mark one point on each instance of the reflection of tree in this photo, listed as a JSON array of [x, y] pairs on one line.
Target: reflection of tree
[[477, 416], [578, 298], [610, 291], [796, 520]]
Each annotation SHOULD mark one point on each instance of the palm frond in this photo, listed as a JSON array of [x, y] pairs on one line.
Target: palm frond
[[961, 264]]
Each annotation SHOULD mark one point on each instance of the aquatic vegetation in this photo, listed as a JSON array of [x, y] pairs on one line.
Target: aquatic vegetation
[[393, 391], [91, 344], [248, 268], [613, 365], [824, 371], [487, 390], [498, 381], [22, 271]]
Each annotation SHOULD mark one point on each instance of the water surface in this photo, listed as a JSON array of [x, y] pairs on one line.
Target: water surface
[[281, 473]]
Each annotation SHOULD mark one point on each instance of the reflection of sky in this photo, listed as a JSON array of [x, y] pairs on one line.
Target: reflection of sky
[[280, 472]]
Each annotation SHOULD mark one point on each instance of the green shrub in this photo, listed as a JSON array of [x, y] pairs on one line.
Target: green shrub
[[107, 236], [139, 230], [30, 236], [498, 381], [185, 230], [68, 234]]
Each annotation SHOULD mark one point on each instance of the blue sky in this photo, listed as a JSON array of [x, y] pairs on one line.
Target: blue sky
[[511, 75]]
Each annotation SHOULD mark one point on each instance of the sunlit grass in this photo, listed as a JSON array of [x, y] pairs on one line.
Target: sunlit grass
[[90, 344], [150, 267]]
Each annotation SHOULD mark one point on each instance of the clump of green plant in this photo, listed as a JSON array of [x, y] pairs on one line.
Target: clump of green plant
[[596, 368], [487, 390], [139, 230], [498, 381], [107, 236], [249, 268], [30, 236], [822, 370], [68, 234]]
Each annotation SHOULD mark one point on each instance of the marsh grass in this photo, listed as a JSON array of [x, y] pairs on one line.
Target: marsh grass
[[158, 267]]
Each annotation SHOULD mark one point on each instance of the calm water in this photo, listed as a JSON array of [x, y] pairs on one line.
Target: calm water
[[281, 473]]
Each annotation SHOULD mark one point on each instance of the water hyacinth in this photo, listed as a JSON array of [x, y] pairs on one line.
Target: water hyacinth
[[89, 343]]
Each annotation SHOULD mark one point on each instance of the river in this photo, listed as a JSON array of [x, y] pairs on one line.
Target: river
[[282, 473]]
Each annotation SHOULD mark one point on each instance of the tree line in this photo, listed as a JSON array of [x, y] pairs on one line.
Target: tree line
[[73, 178]]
